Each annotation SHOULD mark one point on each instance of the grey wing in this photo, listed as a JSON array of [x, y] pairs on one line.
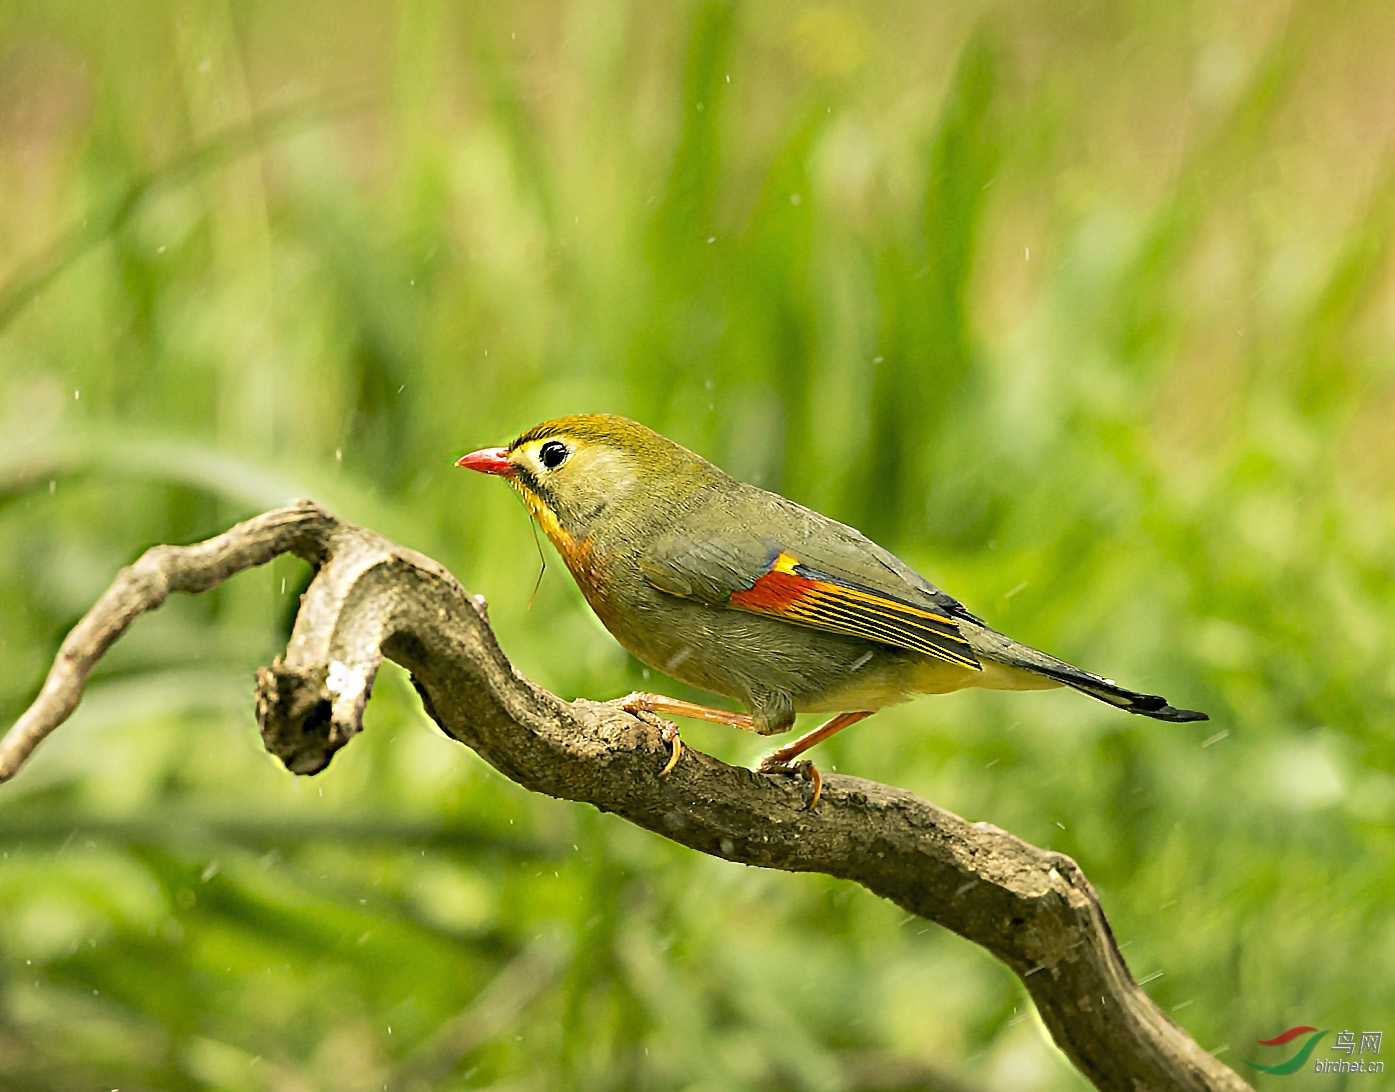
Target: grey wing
[[706, 567], [848, 554]]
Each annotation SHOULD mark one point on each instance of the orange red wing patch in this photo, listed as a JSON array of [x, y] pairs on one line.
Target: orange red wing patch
[[808, 597]]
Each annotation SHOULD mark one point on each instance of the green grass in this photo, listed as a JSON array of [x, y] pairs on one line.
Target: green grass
[[1089, 315]]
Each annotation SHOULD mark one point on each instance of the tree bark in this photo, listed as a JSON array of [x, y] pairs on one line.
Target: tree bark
[[1031, 908]]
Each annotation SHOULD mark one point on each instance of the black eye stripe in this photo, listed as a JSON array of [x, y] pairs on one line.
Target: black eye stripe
[[553, 454], [529, 480]]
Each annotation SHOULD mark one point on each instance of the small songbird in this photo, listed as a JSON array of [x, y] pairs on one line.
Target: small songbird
[[743, 593]]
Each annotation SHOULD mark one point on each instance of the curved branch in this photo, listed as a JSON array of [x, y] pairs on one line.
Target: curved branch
[[1031, 908]]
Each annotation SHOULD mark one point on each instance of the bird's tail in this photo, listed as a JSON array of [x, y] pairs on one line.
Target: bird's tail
[[1016, 654], [1130, 701]]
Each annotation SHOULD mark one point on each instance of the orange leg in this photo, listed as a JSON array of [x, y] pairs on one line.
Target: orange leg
[[649, 706], [781, 760], [640, 702], [783, 756]]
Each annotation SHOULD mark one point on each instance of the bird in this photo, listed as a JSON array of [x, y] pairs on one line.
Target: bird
[[743, 593]]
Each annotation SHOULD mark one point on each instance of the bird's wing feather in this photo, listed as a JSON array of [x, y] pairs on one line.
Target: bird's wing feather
[[828, 582]]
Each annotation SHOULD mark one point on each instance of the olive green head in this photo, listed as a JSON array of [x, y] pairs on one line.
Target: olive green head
[[576, 472]]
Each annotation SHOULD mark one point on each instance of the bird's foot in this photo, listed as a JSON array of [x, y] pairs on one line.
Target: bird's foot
[[668, 731], [774, 764]]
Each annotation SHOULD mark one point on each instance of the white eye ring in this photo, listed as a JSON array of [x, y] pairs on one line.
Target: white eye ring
[[553, 454]]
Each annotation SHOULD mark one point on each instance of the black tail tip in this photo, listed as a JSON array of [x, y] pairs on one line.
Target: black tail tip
[[1177, 716]]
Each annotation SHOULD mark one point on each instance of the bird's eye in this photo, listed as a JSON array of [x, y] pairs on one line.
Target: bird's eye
[[553, 454]]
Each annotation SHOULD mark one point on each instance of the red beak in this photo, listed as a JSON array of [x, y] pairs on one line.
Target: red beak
[[488, 460]]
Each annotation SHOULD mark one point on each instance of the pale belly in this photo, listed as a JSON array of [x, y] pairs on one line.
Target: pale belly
[[882, 685]]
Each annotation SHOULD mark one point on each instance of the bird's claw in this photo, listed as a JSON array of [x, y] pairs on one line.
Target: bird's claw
[[804, 769], [668, 731]]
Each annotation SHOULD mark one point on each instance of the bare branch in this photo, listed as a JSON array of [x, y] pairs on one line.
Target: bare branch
[[305, 530], [1031, 908]]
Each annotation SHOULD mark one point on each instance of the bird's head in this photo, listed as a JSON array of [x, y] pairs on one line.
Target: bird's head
[[575, 473]]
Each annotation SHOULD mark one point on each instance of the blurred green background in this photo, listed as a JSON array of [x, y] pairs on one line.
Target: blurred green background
[[1087, 311]]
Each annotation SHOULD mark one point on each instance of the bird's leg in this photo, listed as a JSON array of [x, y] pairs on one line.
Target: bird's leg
[[676, 707], [781, 760], [648, 707]]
